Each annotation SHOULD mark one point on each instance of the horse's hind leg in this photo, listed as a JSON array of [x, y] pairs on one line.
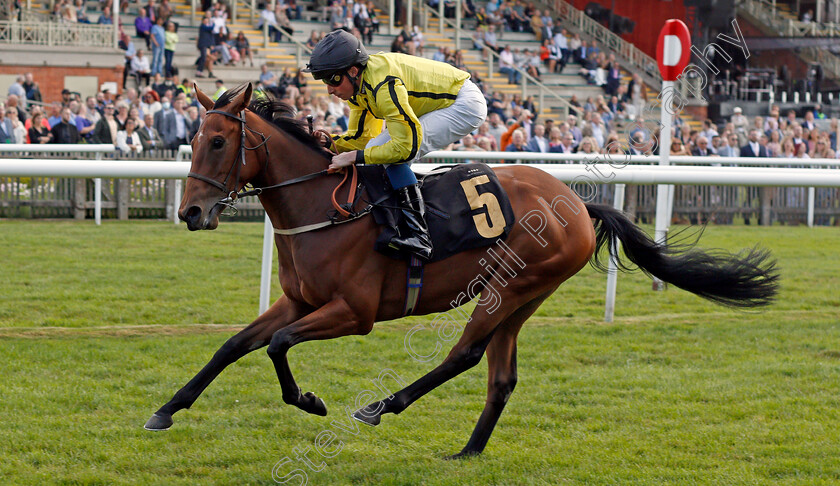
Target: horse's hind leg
[[249, 339], [501, 378]]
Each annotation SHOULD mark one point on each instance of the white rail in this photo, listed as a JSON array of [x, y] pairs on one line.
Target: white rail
[[752, 176], [63, 148]]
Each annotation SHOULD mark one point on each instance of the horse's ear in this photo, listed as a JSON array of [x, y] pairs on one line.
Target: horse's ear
[[205, 100], [241, 101]]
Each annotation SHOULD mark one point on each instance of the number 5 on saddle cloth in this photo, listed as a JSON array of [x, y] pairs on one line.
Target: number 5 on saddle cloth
[[466, 208]]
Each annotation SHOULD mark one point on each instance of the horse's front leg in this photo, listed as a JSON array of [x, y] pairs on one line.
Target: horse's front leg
[[335, 319], [249, 339]]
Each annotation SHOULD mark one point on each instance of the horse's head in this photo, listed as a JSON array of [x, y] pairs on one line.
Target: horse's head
[[220, 164]]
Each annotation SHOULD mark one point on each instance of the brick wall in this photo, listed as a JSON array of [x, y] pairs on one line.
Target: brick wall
[[51, 78]]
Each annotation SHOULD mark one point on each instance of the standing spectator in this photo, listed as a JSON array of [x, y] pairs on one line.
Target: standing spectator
[[158, 39], [638, 94], [149, 136], [164, 11], [204, 43], [193, 122], [65, 131], [181, 125], [169, 45], [130, 52], [122, 115], [12, 103], [164, 122], [143, 27], [150, 104], [33, 92], [18, 90], [106, 128], [128, 141], [38, 133]]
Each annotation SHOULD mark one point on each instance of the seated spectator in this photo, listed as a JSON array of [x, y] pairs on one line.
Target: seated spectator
[[517, 142], [149, 136], [140, 68], [38, 133], [538, 142], [702, 149], [81, 12], [143, 27], [105, 18], [506, 66], [244, 48], [128, 142]]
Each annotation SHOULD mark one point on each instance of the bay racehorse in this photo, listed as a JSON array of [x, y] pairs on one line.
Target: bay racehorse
[[326, 296]]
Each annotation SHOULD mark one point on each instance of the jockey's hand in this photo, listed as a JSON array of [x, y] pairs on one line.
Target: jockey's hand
[[342, 160]]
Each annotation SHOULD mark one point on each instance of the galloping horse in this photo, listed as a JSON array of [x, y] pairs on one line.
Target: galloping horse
[[258, 142]]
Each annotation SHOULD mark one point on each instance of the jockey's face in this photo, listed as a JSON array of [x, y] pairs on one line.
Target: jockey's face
[[346, 89]]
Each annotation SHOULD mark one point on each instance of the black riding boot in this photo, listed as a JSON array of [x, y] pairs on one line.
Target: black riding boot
[[416, 239]]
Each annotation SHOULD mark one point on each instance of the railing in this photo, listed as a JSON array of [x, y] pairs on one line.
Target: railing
[[761, 11], [300, 47], [491, 55], [765, 10], [56, 34], [628, 55]]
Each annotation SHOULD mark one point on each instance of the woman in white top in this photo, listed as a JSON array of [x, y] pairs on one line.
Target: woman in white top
[[127, 140]]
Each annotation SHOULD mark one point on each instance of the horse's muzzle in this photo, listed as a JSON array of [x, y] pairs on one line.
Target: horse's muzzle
[[196, 218]]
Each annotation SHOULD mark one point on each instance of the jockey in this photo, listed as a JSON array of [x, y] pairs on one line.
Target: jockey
[[425, 104]]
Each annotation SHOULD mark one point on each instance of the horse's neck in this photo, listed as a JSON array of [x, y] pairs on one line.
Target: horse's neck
[[302, 203]]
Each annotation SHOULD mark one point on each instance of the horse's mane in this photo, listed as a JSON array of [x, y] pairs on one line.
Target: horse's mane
[[276, 112]]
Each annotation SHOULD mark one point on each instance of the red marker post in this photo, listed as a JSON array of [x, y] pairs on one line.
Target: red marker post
[[673, 50]]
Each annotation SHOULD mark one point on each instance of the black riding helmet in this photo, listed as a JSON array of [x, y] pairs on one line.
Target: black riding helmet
[[337, 52]]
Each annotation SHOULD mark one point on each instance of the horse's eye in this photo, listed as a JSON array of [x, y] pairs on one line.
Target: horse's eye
[[218, 142]]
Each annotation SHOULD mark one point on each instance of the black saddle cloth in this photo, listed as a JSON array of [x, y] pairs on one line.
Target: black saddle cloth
[[466, 208]]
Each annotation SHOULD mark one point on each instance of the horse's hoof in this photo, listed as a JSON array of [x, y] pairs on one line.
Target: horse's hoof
[[312, 404], [461, 455], [365, 419], [159, 422]]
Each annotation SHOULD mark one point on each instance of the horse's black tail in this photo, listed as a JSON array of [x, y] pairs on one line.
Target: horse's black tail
[[749, 279]]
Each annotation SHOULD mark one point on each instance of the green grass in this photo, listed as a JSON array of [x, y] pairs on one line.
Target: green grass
[[100, 326]]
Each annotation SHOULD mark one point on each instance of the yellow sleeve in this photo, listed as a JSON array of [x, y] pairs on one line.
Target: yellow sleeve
[[361, 127], [403, 126]]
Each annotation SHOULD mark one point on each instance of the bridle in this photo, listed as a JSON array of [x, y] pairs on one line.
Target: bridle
[[232, 196], [230, 200]]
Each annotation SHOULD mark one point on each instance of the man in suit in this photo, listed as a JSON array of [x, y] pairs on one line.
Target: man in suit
[[702, 149], [753, 148], [164, 123], [6, 129], [538, 143], [149, 137], [344, 120], [729, 146], [566, 145]]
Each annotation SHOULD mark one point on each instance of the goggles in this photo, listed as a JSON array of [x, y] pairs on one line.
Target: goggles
[[332, 79]]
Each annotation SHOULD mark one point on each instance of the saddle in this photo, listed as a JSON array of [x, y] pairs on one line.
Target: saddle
[[466, 208]]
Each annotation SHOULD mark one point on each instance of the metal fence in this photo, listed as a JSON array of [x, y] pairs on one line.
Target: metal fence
[[50, 197]]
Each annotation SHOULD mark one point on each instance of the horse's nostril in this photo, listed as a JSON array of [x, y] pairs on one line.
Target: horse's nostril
[[191, 216]]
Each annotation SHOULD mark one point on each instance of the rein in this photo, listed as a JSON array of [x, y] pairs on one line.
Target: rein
[[232, 196]]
